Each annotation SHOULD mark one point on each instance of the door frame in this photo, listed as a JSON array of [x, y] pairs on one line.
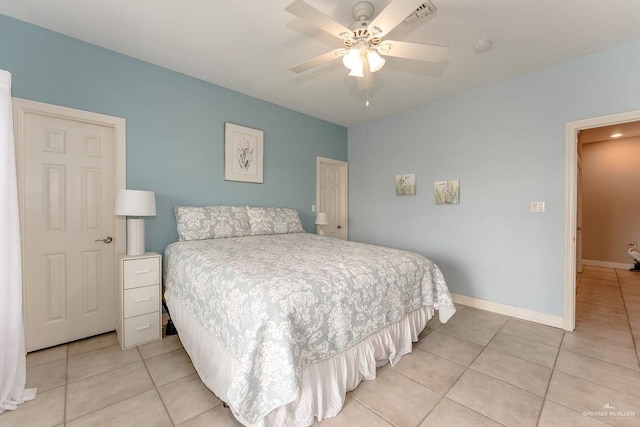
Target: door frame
[[21, 107], [345, 176], [570, 204]]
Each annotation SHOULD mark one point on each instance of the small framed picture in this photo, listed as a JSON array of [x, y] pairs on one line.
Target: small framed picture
[[406, 184], [243, 153], [446, 192]]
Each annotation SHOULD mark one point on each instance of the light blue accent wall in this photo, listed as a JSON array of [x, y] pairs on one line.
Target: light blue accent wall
[[175, 125], [505, 142]]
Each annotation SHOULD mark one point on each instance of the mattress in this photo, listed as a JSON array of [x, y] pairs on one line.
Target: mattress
[[275, 308]]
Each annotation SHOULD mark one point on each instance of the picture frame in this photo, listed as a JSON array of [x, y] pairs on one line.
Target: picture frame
[[406, 184], [243, 153], [446, 192]]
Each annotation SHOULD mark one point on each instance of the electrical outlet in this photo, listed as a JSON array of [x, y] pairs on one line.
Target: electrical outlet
[[313, 208], [537, 206]]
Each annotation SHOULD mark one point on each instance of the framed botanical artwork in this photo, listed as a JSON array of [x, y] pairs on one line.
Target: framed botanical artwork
[[446, 192], [406, 184], [243, 153]]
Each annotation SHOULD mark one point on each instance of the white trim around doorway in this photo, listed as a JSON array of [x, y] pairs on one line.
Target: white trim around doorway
[[570, 204]]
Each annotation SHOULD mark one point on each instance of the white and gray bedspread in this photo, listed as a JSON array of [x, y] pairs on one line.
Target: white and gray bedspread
[[279, 303]]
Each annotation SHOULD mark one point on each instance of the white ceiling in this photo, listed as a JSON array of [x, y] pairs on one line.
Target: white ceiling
[[249, 45]]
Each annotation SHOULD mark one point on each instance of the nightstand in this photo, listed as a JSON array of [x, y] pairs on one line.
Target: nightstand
[[139, 299]]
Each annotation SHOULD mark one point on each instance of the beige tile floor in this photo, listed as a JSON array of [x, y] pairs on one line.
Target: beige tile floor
[[480, 369]]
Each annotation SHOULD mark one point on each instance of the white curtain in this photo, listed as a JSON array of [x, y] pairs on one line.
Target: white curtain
[[13, 363]]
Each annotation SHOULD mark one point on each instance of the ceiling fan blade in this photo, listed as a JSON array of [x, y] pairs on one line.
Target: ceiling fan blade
[[318, 60], [395, 12], [417, 51], [309, 13]]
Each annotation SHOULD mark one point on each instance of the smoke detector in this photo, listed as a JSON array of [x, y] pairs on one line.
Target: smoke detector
[[482, 45]]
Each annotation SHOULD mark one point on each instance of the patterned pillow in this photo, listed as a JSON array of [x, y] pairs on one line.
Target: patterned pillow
[[211, 222], [274, 221]]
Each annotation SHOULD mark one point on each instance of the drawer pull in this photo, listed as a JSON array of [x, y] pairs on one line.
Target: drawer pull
[[143, 299], [143, 327], [148, 270]]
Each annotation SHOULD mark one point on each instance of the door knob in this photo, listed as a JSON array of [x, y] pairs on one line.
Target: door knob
[[339, 227], [107, 239]]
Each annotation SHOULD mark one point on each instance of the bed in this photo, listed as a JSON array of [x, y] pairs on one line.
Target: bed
[[280, 324]]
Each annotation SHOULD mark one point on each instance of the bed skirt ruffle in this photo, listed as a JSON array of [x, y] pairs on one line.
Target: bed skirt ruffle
[[324, 384]]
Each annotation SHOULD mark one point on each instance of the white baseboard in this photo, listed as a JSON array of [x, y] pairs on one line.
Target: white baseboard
[[606, 264], [508, 310]]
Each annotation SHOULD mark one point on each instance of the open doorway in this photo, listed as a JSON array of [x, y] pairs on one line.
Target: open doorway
[[608, 188], [573, 245]]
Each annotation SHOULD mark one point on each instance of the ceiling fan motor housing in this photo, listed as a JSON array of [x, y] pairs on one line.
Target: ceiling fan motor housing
[[361, 37], [362, 12]]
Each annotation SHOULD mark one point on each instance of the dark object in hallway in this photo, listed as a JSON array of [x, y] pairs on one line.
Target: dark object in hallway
[[633, 253]]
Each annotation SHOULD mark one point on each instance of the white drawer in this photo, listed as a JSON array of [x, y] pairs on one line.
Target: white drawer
[[141, 272], [140, 329], [143, 300]]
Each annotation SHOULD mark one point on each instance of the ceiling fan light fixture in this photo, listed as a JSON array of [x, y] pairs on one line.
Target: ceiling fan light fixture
[[376, 62], [352, 59], [357, 71]]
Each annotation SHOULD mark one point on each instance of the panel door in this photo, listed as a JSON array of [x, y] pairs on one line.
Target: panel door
[[69, 195], [331, 196]]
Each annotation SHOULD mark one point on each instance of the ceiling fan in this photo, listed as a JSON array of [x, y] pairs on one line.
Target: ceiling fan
[[364, 43]]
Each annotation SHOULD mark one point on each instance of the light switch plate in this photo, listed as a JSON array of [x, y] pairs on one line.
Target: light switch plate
[[537, 206]]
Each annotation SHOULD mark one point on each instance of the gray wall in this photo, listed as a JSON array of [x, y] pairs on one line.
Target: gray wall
[[505, 142], [610, 202], [175, 125]]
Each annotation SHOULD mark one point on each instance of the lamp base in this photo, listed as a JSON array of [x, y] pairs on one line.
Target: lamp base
[[135, 236]]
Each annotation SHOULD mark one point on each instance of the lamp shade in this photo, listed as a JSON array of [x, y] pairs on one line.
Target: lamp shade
[[375, 61], [135, 203], [352, 59], [321, 219], [357, 71]]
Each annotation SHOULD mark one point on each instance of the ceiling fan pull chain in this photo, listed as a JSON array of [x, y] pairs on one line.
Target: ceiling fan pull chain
[[367, 83]]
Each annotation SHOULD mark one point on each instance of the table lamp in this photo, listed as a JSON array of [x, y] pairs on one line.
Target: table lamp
[[321, 220], [135, 203]]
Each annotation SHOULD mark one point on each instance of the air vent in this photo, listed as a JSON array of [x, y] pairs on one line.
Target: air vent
[[424, 9]]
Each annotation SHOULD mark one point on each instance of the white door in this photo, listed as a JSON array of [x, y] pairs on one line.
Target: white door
[[67, 164], [579, 211], [332, 195]]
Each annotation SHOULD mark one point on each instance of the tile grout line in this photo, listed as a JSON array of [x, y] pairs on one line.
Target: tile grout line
[[364, 405], [102, 373], [553, 371], [155, 386], [445, 393], [633, 338], [600, 360], [404, 376], [108, 406], [466, 368], [499, 351]]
